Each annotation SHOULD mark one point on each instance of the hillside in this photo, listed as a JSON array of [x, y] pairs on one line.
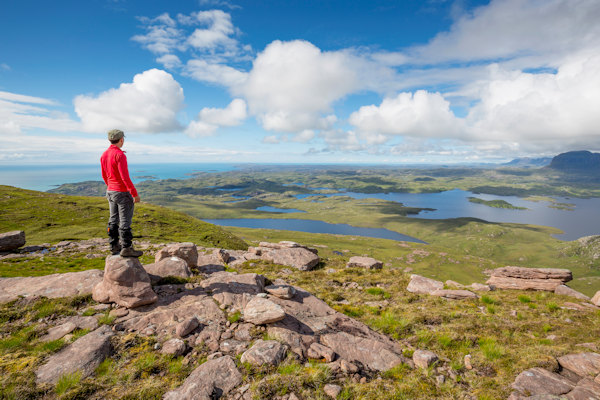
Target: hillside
[[576, 161], [50, 218]]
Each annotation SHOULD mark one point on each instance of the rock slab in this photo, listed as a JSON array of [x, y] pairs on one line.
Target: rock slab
[[520, 278], [10, 241], [213, 379], [424, 358], [83, 355], [261, 311], [538, 381], [125, 283], [169, 266], [297, 257], [364, 262], [421, 285], [263, 352], [186, 251]]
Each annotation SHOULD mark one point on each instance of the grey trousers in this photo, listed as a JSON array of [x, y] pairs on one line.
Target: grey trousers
[[119, 222]]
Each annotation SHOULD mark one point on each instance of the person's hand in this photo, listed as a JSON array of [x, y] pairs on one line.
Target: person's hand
[[136, 199]]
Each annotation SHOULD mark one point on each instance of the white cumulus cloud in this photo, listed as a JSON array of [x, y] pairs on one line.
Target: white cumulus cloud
[[292, 84], [210, 119], [148, 105]]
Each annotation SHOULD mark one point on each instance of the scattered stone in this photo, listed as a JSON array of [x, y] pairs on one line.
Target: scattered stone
[[90, 323], [101, 307], [567, 291], [364, 262], [234, 290], [125, 283], [371, 353], [261, 311], [281, 291], [454, 284], [529, 278], [480, 287], [58, 332], [10, 241], [214, 378], [332, 391], [69, 284], [213, 356], [186, 251], [421, 285], [232, 346], [582, 364], [263, 352], [348, 367], [424, 358], [454, 294], [184, 328], [538, 381], [318, 351], [168, 266], [440, 379], [468, 364], [174, 347], [222, 254], [586, 389], [83, 355]]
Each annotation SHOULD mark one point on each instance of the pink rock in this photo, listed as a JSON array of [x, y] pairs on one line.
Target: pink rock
[[125, 283], [424, 358], [186, 251], [261, 311], [263, 352], [364, 262], [421, 285], [454, 294], [11, 240], [567, 291], [582, 364], [169, 266], [297, 257], [538, 381]]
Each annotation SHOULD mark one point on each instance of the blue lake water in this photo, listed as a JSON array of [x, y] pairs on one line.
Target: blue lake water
[[311, 226], [45, 177], [278, 210], [582, 220]]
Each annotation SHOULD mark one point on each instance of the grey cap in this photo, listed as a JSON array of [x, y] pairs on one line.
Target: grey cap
[[115, 134]]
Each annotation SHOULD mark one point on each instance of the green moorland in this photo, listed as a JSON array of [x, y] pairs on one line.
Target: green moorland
[[505, 332]]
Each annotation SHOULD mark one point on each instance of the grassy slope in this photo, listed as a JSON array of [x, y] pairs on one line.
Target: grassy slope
[[49, 218]]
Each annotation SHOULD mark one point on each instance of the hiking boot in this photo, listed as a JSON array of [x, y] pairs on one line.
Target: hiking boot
[[115, 249], [130, 252]]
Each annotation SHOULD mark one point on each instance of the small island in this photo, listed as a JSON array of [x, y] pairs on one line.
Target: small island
[[495, 203]]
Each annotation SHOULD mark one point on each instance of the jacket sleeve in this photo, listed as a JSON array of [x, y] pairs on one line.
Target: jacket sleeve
[[102, 167], [124, 172]]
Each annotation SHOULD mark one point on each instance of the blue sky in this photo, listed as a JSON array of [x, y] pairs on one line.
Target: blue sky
[[299, 81]]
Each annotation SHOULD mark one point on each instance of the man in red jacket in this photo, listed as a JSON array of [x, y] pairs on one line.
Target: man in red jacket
[[121, 195]]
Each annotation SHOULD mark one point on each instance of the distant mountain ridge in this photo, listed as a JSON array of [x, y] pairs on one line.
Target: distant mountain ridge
[[529, 162], [576, 160]]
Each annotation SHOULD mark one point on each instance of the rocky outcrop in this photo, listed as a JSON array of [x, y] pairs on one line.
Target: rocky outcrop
[[264, 352], [83, 355], [51, 286], [455, 294], [213, 379], [125, 282], [421, 285], [519, 278], [575, 381], [234, 290], [595, 300], [169, 266], [58, 332], [10, 241], [297, 257], [281, 291], [424, 358], [364, 262], [185, 251]]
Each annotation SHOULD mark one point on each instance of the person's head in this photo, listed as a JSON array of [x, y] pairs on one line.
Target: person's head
[[116, 136]]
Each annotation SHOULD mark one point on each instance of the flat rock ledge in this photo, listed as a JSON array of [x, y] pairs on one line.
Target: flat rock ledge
[[10, 241], [364, 262], [520, 278], [578, 379], [421, 285], [83, 355], [51, 286]]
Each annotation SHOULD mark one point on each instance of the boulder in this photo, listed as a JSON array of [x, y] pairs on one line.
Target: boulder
[[125, 283], [169, 266], [232, 346], [454, 294], [261, 311], [235, 290], [500, 282], [424, 358], [595, 300], [58, 332], [263, 352], [364, 262], [586, 389], [538, 381], [371, 353], [582, 364], [421, 285], [213, 379], [332, 390], [10, 241], [83, 355], [297, 257], [185, 251], [186, 327], [281, 291], [174, 347], [520, 278], [567, 291], [52, 286], [89, 322], [480, 287]]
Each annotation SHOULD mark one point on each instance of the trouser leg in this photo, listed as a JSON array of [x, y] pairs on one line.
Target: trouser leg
[[125, 218], [113, 220]]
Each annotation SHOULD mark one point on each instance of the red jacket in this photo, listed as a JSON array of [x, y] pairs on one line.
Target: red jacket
[[115, 172]]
